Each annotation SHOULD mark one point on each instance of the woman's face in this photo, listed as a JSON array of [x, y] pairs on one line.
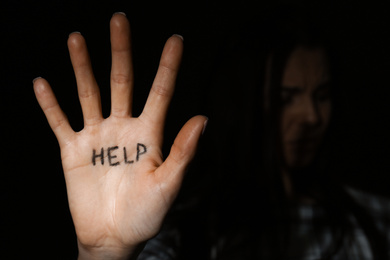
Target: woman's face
[[306, 105]]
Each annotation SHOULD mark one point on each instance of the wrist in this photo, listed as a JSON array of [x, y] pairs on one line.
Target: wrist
[[108, 253]]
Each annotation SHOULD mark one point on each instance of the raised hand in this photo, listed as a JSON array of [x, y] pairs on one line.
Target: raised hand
[[119, 188]]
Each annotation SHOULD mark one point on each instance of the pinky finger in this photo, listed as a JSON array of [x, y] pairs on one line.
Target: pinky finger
[[54, 115]]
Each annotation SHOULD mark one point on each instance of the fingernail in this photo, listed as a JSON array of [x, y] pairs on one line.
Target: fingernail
[[178, 35], [205, 125], [36, 79], [74, 32], [122, 13]]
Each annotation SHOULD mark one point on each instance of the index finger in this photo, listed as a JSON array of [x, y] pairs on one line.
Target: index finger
[[164, 83]]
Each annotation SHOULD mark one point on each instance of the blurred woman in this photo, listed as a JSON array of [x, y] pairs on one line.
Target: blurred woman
[[274, 195]]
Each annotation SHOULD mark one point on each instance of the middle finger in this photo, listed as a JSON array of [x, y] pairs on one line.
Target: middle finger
[[122, 68]]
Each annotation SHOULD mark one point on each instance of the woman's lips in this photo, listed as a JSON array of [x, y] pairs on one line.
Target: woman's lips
[[304, 144]]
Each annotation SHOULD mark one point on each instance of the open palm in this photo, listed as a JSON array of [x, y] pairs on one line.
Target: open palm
[[119, 188]]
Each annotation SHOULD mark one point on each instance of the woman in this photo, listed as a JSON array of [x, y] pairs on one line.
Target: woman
[[267, 159], [275, 195]]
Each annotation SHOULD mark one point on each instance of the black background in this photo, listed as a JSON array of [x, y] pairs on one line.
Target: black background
[[35, 220]]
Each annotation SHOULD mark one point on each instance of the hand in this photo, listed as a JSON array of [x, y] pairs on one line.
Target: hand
[[119, 188]]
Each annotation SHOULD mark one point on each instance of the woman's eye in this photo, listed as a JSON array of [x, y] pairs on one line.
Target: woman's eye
[[287, 95]]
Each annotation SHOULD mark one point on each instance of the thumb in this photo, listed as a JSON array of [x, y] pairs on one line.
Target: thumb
[[183, 150]]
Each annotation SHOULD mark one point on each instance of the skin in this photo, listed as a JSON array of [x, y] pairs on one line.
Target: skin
[[115, 209], [306, 105], [306, 110]]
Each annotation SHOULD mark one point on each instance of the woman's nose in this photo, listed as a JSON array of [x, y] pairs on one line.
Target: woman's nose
[[310, 113]]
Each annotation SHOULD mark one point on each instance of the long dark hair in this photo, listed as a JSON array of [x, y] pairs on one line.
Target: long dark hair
[[298, 28], [245, 213]]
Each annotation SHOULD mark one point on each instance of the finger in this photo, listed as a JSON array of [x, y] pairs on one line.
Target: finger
[[87, 87], [55, 116], [163, 86], [122, 68], [183, 150]]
